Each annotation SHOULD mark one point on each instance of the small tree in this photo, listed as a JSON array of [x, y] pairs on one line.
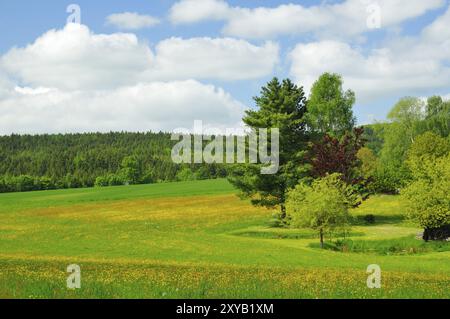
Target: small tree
[[323, 206]]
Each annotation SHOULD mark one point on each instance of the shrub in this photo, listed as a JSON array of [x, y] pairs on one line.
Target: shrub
[[388, 180], [186, 174], [101, 181], [115, 180], [24, 183]]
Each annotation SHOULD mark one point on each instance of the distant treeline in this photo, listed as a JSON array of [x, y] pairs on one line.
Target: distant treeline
[[42, 162]]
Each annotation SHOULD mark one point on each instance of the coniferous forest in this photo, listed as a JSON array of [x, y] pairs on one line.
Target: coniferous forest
[[42, 162]]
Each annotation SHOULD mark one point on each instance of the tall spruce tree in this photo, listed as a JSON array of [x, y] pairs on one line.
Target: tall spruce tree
[[283, 106]]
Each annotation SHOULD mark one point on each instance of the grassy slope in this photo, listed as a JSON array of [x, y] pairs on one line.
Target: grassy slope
[[193, 239]]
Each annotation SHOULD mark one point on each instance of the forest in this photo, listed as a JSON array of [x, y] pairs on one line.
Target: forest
[[42, 162]]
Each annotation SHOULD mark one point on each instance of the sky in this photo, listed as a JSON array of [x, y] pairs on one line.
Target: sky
[[140, 65]]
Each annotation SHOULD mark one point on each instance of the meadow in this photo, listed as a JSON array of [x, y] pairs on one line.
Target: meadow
[[199, 240]]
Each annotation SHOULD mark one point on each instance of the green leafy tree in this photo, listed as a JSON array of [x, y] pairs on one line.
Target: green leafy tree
[[130, 169], [428, 198], [407, 122], [438, 116], [369, 162], [374, 135], [280, 105], [434, 105], [329, 107], [426, 148], [408, 113], [323, 206]]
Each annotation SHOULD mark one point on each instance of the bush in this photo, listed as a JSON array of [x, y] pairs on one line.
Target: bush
[[115, 180], [71, 181], [44, 183], [186, 174], [388, 181], [101, 181], [3, 186], [109, 180], [24, 183]]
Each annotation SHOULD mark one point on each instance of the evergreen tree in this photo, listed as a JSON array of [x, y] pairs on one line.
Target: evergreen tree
[[283, 106]]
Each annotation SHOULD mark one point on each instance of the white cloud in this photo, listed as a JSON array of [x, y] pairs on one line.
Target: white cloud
[[141, 107], [381, 73], [439, 30], [6, 85], [348, 18], [401, 66], [131, 21], [73, 80], [191, 11], [75, 58], [207, 58]]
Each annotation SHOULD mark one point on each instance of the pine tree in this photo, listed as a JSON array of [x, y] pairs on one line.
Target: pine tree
[[280, 105]]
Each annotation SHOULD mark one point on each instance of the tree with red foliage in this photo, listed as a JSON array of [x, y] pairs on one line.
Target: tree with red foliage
[[332, 155]]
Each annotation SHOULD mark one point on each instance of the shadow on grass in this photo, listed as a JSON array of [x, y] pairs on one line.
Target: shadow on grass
[[288, 234], [400, 246], [362, 220]]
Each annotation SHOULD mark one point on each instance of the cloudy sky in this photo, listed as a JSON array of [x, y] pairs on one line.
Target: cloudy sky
[[142, 65]]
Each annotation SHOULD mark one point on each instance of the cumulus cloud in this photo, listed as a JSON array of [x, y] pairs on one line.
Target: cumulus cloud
[[141, 107], [380, 74], [73, 80], [131, 21], [403, 66], [191, 11], [439, 30], [348, 18], [76, 58], [207, 58]]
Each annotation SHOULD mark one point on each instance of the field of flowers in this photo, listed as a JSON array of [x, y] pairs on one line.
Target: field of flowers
[[199, 240]]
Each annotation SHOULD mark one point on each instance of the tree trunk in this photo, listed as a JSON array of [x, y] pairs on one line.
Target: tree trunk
[[426, 234], [321, 238], [283, 212]]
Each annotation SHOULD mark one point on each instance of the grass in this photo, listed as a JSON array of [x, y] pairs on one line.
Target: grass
[[198, 240]]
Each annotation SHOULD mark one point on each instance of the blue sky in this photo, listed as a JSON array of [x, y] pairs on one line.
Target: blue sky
[[380, 64]]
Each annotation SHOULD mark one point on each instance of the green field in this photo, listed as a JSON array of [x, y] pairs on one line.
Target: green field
[[199, 240]]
